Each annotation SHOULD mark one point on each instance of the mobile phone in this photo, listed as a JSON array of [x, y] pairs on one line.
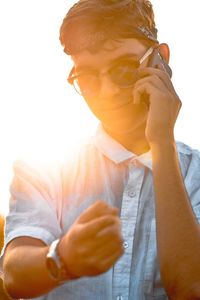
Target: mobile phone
[[157, 61]]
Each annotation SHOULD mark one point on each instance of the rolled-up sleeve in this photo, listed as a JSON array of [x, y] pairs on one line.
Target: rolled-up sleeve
[[192, 180], [34, 204]]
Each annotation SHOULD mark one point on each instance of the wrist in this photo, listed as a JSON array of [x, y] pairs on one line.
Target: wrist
[[165, 152], [167, 143], [165, 138], [57, 269], [62, 253]]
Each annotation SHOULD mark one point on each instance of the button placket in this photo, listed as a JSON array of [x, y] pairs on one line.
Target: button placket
[[131, 193], [129, 211], [120, 297], [125, 244]]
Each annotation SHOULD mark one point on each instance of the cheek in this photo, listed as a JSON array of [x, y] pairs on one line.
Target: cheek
[[92, 105]]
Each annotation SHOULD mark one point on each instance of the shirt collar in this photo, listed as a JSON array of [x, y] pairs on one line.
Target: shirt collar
[[116, 152]]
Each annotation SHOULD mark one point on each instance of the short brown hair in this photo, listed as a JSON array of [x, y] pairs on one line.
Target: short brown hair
[[89, 23]]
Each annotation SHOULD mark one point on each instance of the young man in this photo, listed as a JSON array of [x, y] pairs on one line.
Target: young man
[[120, 220]]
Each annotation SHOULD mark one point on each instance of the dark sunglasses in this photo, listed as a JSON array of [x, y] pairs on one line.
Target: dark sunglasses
[[124, 74]]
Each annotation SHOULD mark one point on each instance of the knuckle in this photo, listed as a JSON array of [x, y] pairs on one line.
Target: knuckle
[[114, 220], [98, 205], [102, 206], [73, 233], [101, 203], [108, 220], [117, 219]]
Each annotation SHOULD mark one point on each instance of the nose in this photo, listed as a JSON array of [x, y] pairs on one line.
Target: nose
[[108, 87]]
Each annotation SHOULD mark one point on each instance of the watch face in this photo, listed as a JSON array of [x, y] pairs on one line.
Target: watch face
[[53, 268]]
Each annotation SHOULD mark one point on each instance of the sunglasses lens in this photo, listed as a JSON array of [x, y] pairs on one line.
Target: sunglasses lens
[[124, 75]]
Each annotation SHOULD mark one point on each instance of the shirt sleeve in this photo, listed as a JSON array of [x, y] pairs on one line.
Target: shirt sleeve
[[192, 181], [35, 203]]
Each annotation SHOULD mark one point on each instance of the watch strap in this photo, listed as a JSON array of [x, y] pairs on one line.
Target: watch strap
[[61, 273]]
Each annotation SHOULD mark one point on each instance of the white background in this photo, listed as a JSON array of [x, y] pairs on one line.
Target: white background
[[40, 115]]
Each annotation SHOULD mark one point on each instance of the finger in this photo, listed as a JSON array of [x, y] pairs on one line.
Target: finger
[[93, 228], [97, 265], [108, 261], [147, 86], [109, 232], [145, 89], [154, 80], [153, 86], [99, 208], [108, 250], [102, 260], [110, 244], [139, 92], [143, 72]]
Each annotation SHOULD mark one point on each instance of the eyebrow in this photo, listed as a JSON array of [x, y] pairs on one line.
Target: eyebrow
[[134, 57]]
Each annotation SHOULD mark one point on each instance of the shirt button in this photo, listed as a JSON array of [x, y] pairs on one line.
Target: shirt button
[[125, 244], [132, 194], [119, 298]]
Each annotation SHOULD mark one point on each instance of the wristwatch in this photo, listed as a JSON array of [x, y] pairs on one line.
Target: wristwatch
[[55, 265]]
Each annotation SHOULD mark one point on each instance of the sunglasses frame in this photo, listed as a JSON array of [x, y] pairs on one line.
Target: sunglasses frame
[[71, 78]]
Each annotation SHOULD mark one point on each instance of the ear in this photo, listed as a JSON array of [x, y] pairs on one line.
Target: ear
[[164, 51]]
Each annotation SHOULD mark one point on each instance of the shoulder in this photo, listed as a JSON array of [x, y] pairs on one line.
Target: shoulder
[[34, 178], [186, 149], [41, 174], [187, 152], [189, 160]]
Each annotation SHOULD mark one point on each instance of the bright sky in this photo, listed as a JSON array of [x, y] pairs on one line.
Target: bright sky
[[40, 115]]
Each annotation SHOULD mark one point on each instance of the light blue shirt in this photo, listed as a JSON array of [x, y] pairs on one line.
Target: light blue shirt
[[44, 204]]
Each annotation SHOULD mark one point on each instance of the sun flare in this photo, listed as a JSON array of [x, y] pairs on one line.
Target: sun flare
[[41, 117]]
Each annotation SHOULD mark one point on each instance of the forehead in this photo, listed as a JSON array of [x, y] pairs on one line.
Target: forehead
[[110, 51]]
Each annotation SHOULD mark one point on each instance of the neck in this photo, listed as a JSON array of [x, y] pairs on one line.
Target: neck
[[131, 141]]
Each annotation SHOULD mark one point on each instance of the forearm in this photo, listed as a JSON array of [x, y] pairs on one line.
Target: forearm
[[25, 272], [178, 233], [25, 268]]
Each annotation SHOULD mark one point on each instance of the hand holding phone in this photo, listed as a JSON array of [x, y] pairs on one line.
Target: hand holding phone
[[156, 92], [156, 61]]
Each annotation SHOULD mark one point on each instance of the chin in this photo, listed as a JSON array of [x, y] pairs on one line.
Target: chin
[[128, 119], [126, 127]]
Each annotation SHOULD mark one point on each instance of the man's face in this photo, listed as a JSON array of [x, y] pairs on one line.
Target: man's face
[[113, 105]]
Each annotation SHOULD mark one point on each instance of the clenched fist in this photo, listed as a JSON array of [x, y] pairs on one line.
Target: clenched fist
[[94, 242]]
